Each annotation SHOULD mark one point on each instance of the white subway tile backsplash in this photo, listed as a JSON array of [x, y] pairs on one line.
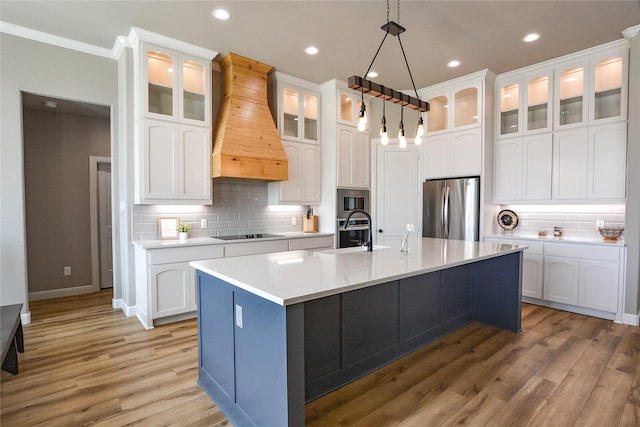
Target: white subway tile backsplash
[[238, 208]]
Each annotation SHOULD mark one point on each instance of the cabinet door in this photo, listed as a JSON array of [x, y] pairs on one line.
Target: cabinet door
[[561, 278], [160, 172], [607, 161], [310, 176], [290, 189], [537, 153], [466, 152], [195, 163], [159, 82], [608, 86], [570, 94], [570, 150], [353, 162], [170, 290], [599, 285], [437, 157], [508, 180], [195, 88], [532, 268], [466, 106], [536, 102], [508, 114]]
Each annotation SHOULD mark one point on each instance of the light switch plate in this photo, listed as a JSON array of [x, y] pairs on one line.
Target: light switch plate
[[204, 223]]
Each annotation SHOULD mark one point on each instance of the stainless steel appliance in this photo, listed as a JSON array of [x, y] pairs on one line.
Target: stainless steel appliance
[[451, 208], [357, 233]]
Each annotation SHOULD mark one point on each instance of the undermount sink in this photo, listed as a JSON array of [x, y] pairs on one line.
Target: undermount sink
[[349, 250]]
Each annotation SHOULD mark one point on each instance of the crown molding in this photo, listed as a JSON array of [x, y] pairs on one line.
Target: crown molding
[[137, 35], [631, 32], [39, 36]]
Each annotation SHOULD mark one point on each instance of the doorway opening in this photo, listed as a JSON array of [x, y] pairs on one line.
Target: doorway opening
[[63, 140]]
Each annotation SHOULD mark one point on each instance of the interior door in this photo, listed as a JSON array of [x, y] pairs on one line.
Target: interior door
[[105, 225], [397, 192]]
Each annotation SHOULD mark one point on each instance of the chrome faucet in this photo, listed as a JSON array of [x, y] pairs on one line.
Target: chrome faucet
[[369, 244]]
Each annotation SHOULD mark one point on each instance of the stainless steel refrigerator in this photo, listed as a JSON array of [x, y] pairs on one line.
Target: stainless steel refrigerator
[[451, 208]]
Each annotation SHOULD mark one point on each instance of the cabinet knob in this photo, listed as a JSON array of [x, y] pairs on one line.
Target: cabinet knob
[[380, 230]]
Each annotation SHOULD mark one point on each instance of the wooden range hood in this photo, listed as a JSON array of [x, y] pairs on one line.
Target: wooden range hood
[[246, 143]]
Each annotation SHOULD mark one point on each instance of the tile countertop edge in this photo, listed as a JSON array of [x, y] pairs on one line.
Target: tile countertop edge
[[561, 240], [284, 301], [203, 241]]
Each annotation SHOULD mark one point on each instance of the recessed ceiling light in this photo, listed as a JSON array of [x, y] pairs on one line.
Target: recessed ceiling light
[[372, 74], [531, 37], [221, 14], [50, 104], [453, 64], [311, 50]]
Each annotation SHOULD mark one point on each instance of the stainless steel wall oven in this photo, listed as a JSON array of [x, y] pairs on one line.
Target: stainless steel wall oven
[[348, 200]]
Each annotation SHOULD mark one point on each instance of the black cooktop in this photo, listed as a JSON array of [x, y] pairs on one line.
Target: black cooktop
[[247, 236]]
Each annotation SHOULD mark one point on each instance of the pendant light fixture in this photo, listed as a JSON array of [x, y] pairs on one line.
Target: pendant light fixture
[[384, 137], [377, 90], [402, 141]]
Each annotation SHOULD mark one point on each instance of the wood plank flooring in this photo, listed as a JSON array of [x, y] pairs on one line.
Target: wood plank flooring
[[87, 364]]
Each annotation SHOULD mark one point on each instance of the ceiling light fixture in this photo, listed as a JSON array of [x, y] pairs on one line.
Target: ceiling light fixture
[[221, 14], [372, 74], [453, 64], [531, 37], [50, 104], [377, 90], [311, 50]]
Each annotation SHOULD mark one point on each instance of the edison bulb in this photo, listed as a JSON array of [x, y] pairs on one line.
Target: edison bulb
[[384, 137], [362, 123], [418, 140]]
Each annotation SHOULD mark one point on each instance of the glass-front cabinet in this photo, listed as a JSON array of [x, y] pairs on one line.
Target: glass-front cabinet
[[349, 107], [523, 103], [298, 109], [177, 86], [593, 90], [453, 106]]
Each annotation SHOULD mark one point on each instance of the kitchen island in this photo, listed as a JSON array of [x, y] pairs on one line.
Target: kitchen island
[[278, 330]]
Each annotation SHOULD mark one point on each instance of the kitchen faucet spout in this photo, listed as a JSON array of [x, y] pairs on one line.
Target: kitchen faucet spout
[[369, 225]]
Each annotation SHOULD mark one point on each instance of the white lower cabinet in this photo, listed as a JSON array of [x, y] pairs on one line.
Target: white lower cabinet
[[561, 277], [166, 285], [532, 270], [587, 278]]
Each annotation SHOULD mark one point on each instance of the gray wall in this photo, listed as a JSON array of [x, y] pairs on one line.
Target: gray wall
[[48, 70], [57, 147]]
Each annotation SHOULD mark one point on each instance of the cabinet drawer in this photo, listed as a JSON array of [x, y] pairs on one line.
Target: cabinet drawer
[[584, 252], [184, 254], [311, 243], [253, 248]]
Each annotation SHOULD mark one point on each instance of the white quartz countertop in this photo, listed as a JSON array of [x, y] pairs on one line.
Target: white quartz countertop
[[201, 241], [563, 239], [287, 278]]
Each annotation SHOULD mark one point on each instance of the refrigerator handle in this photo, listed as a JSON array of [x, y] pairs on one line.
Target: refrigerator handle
[[445, 213]]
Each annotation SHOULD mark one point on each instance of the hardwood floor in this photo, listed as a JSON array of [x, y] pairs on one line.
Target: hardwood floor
[[85, 363]]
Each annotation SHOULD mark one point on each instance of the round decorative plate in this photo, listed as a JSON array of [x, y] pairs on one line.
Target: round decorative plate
[[507, 219]]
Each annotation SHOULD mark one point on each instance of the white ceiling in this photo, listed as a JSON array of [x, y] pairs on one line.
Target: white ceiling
[[481, 34]]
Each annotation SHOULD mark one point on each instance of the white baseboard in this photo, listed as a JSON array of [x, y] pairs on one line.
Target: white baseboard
[[64, 292], [126, 309], [631, 319], [25, 318]]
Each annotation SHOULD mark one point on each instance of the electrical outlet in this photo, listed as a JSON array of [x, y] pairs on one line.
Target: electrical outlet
[[67, 271], [600, 223], [239, 316], [294, 220], [204, 223]]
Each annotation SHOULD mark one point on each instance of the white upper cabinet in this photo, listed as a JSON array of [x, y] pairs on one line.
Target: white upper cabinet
[[176, 86], [453, 106], [524, 103], [172, 96], [297, 111], [592, 89], [295, 105], [349, 104], [607, 161], [353, 152]]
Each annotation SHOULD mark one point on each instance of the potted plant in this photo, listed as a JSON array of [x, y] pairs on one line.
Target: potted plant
[[183, 230]]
